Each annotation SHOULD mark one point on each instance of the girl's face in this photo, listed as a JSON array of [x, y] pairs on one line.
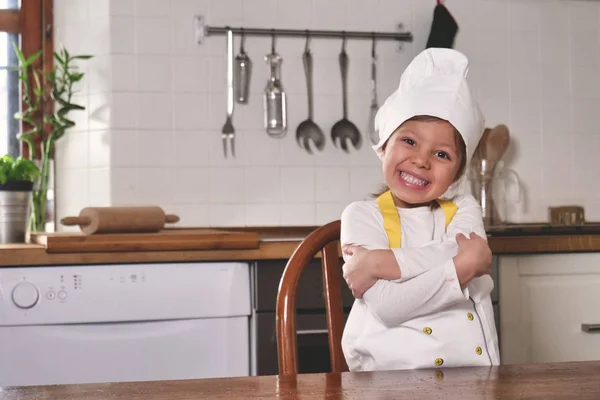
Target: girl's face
[[420, 161]]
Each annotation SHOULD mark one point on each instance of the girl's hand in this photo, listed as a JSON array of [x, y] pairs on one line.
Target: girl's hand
[[359, 272], [474, 257]]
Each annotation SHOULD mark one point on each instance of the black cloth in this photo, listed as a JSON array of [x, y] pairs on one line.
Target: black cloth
[[443, 28]]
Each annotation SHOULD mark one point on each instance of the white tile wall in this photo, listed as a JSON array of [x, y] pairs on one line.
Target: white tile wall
[[151, 133], [83, 175]]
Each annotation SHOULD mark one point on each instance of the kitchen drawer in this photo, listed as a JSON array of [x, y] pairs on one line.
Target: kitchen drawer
[[556, 309], [266, 277], [545, 301]]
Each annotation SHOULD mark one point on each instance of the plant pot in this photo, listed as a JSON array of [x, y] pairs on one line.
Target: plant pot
[[15, 208]]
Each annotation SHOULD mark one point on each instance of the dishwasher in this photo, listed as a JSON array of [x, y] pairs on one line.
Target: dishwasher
[[118, 323]]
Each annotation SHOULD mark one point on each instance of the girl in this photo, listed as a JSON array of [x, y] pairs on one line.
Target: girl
[[422, 288]]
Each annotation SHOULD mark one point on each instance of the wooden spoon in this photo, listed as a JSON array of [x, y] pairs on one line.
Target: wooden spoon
[[496, 145]]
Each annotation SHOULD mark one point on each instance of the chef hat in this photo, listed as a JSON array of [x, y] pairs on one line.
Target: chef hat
[[433, 84]]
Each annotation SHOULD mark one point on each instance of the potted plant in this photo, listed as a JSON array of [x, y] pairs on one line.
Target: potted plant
[[16, 185], [46, 125]]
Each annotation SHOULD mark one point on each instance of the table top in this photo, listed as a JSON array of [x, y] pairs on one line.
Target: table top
[[579, 380]]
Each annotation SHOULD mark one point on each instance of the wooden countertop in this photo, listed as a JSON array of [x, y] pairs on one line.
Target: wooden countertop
[[276, 243], [577, 380]]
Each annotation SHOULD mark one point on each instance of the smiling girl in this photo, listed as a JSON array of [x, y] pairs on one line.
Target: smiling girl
[[417, 260]]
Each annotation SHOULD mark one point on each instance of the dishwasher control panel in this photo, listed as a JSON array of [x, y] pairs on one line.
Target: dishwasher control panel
[[132, 292], [26, 294]]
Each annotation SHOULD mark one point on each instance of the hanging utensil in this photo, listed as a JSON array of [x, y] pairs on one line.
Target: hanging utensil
[[371, 131], [228, 132], [274, 96], [344, 129], [308, 129], [243, 73]]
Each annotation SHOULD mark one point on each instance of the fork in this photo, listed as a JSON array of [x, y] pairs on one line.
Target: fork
[[228, 132]]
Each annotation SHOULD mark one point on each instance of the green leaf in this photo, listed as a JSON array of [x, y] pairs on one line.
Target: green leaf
[[38, 82], [76, 76], [8, 159], [82, 57], [33, 58], [68, 122], [73, 106], [24, 170], [4, 171], [58, 58], [19, 54]]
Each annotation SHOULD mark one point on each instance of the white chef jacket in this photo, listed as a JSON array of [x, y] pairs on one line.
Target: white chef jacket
[[424, 319]]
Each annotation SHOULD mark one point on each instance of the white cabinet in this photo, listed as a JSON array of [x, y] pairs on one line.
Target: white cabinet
[[545, 300]]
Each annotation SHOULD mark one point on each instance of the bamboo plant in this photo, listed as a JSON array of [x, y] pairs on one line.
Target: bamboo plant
[[40, 88]]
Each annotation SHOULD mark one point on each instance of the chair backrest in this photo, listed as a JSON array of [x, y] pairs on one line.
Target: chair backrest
[[324, 239]]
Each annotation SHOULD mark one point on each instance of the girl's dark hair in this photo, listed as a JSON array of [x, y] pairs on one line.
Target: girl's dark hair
[[460, 144]]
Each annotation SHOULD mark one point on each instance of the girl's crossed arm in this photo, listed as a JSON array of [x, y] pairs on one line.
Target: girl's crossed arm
[[416, 260], [430, 289], [399, 264]]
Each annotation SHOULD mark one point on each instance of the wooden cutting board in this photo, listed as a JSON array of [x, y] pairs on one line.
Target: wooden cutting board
[[166, 240]]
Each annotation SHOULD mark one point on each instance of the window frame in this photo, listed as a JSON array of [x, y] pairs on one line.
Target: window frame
[[34, 22]]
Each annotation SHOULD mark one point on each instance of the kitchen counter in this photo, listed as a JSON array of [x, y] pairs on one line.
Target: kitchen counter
[[275, 243]]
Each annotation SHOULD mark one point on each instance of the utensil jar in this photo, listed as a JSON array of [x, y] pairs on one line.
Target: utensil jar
[[496, 192]]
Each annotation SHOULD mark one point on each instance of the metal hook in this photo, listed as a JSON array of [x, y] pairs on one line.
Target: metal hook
[[373, 55], [242, 41], [343, 41], [306, 50], [272, 41]]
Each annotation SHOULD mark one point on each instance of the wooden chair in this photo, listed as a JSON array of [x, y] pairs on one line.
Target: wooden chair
[[324, 239]]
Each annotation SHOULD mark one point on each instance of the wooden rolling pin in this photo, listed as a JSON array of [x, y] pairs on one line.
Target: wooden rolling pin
[[95, 220]]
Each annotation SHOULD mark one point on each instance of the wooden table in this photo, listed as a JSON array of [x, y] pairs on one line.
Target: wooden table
[[579, 380]]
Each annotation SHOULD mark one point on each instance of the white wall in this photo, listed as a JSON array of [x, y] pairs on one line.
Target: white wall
[[156, 105]]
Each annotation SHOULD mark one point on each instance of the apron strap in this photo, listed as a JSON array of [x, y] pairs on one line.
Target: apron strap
[[391, 217], [449, 209]]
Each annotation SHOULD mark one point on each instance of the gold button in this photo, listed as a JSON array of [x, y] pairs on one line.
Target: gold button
[[470, 316], [427, 330], [439, 361], [478, 350]]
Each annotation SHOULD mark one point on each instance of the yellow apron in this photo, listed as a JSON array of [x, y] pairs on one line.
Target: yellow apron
[[391, 217]]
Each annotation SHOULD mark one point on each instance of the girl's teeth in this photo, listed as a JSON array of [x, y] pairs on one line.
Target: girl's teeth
[[412, 179]]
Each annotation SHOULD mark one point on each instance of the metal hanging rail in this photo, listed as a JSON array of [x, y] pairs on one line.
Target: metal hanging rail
[[202, 30]]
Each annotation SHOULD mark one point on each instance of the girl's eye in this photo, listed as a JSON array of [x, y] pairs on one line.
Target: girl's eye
[[409, 141], [442, 154]]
